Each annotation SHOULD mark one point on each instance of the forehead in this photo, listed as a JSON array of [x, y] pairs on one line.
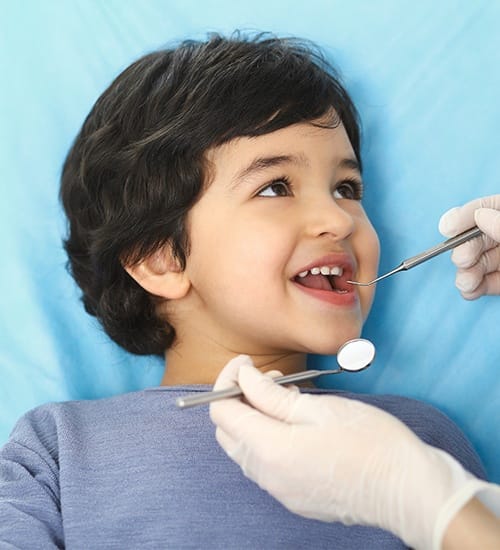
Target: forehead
[[302, 145]]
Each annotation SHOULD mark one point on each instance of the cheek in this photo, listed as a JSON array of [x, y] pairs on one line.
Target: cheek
[[369, 255], [258, 253], [368, 244], [373, 249], [228, 254]]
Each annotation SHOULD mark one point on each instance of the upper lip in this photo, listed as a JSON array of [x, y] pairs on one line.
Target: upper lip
[[340, 259]]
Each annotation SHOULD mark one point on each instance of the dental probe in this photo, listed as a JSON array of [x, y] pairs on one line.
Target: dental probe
[[428, 254]]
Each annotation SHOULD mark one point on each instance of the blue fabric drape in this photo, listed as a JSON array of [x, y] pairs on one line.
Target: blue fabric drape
[[425, 78]]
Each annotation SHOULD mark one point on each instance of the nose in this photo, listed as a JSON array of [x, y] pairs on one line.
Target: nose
[[329, 217]]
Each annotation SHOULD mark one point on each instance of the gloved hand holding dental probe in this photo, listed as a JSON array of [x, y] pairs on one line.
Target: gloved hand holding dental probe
[[478, 260], [336, 459]]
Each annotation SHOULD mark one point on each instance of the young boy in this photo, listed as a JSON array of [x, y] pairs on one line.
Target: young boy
[[213, 198]]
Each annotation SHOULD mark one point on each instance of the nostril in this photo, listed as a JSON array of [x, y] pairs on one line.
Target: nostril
[[337, 234]]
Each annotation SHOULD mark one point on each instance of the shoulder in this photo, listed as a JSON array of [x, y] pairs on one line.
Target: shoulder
[[45, 427], [73, 428], [430, 424]]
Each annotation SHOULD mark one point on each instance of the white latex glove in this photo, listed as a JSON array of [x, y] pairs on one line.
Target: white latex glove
[[337, 459], [478, 260]]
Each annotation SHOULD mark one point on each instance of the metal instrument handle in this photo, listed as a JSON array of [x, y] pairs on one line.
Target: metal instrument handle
[[443, 247], [208, 397]]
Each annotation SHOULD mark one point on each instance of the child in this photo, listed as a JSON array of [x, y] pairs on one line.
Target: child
[[213, 199]]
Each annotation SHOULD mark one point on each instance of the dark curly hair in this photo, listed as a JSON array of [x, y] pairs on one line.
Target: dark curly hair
[[138, 163]]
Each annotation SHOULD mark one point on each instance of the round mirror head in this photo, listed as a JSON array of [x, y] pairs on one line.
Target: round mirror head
[[356, 355]]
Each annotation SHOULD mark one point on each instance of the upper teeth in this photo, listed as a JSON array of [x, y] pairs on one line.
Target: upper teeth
[[323, 270]]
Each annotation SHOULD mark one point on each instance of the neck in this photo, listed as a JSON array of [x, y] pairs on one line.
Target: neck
[[200, 364]]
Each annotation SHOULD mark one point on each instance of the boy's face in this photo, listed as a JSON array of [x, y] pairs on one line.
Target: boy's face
[[279, 205]]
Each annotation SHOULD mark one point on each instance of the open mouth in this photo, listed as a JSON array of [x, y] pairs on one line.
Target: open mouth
[[331, 278]]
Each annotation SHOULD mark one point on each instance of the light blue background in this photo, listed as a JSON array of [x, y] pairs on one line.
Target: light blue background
[[426, 79]]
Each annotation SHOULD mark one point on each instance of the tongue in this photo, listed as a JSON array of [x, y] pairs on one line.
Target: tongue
[[321, 282]]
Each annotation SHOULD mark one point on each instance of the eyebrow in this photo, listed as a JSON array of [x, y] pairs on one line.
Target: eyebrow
[[260, 164], [351, 164]]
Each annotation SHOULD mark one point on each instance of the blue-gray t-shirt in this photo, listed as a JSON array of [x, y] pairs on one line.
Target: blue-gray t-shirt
[[134, 471]]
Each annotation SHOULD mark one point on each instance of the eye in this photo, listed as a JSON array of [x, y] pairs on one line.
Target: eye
[[351, 189], [280, 187]]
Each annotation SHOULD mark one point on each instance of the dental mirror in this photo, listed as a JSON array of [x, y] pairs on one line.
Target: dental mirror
[[354, 356]]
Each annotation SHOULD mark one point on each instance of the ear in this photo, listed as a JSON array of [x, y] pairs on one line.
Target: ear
[[160, 274]]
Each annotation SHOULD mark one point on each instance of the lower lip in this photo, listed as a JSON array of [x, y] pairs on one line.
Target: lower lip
[[345, 299]]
